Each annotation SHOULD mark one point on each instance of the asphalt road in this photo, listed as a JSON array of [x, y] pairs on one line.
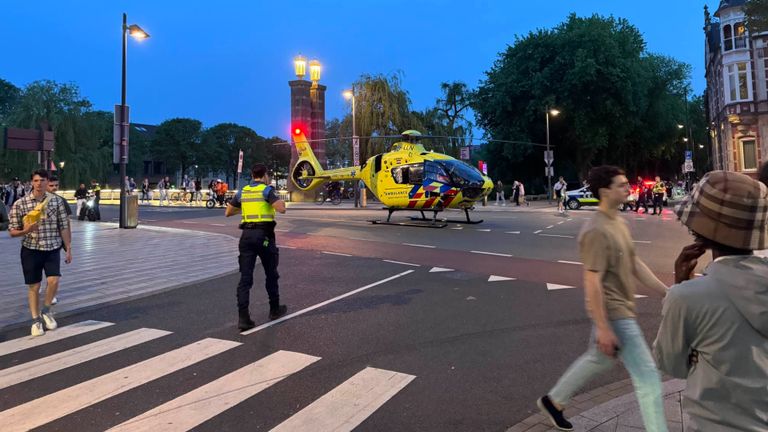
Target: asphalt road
[[470, 349]]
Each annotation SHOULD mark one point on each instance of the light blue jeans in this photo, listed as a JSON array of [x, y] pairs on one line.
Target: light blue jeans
[[636, 356]]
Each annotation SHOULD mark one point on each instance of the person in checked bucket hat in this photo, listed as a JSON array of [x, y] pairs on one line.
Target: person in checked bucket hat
[[714, 328]]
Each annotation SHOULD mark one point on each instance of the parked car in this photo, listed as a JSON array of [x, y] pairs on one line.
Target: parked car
[[578, 198]]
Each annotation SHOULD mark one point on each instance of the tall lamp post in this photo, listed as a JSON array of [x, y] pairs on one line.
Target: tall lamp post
[[554, 113], [137, 33], [350, 95]]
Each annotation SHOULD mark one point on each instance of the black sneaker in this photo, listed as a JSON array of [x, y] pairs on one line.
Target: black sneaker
[[555, 415], [245, 323], [278, 312]]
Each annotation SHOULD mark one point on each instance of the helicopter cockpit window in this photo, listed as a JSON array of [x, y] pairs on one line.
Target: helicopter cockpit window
[[435, 171], [461, 172]]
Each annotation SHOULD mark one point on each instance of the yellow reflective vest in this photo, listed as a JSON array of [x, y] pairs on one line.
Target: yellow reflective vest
[[659, 188], [254, 207]]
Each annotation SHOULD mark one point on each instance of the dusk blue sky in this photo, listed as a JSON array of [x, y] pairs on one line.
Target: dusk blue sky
[[229, 61]]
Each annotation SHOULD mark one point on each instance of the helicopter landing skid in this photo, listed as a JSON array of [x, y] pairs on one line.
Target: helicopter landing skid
[[432, 223], [466, 213]]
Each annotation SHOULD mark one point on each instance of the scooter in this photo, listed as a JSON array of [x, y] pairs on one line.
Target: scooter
[[88, 211]]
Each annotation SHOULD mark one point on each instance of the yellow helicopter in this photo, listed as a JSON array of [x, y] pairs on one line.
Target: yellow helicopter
[[407, 177]]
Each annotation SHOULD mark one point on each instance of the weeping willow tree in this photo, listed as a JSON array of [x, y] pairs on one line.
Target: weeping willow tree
[[83, 137], [382, 108]]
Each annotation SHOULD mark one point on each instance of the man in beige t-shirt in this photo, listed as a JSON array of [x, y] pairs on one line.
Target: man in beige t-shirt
[[610, 270]]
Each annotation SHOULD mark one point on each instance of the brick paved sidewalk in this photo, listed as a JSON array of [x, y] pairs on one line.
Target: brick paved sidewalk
[[111, 264], [611, 408]]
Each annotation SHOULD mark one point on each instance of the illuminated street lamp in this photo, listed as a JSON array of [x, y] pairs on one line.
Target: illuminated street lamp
[[679, 126], [300, 66], [314, 71], [553, 112], [137, 33]]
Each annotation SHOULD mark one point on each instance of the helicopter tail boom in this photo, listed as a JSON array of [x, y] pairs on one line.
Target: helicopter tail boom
[[308, 174]]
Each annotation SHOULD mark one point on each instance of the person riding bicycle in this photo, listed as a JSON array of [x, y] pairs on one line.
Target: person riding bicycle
[[333, 189], [221, 191]]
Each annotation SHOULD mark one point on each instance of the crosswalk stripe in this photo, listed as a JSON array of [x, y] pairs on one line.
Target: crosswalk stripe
[[349, 404], [201, 404], [55, 405], [63, 360], [27, 342]]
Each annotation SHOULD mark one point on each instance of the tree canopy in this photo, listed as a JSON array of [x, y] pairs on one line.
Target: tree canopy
[[618, 103], [757, 15]]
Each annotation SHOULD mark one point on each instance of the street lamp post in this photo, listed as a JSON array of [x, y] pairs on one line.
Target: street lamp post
[[61, 174], [554, 113], [350, 94], [137, 33]]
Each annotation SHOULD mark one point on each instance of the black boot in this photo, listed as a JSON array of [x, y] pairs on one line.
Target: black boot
[[245, 322], [277, 311]]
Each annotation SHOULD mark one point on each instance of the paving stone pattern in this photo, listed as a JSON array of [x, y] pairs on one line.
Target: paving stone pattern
[[111, 264], [612, 408]]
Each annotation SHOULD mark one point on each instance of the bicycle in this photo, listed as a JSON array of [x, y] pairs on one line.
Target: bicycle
[[334, 197], [180, 197]]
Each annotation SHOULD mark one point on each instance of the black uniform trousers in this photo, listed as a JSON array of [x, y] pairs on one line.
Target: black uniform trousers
[[257, 243], [658, 201]]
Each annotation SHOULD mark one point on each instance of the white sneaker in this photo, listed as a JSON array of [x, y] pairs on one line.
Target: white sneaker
[[50, 323], [37, 328], [54, 301]]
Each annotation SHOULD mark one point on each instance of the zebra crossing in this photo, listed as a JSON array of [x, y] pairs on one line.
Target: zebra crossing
[[341, 409]]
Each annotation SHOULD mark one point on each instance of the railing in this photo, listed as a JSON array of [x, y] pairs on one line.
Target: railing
[[154, 194]]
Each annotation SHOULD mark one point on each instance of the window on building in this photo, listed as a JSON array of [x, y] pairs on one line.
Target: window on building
[[739, 36], [158, 168], [738, 82], [734, 37], [727, 38], [748, 155]]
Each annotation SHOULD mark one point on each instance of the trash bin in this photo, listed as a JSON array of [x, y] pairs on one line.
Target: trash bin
[[131, 211]]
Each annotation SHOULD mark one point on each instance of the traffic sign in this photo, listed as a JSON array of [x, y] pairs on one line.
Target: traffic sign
[[688, 155], [688, 166], [356, 150], [465, 153], [121, 122], [549, 171], [240, 162], [549, 156]]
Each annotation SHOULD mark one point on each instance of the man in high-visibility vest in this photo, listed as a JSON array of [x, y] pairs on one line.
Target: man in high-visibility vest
[[658, 195], [257, 203]]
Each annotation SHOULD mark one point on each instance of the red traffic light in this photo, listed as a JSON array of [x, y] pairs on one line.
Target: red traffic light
[[297, 131]]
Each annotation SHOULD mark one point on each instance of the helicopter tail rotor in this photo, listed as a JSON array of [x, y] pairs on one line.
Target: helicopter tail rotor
[[308, 173]]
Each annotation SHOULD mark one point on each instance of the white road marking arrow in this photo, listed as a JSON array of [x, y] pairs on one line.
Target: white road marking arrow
[[495, 278], [551, 286], [439, 269]]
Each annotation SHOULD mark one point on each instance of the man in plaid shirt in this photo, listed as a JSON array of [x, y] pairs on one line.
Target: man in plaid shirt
[[40, 248]]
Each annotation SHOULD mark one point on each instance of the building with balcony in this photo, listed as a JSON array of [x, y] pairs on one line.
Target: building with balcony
[[737, 90]]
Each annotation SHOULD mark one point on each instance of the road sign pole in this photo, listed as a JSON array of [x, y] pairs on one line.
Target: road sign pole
[[549, 177]]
